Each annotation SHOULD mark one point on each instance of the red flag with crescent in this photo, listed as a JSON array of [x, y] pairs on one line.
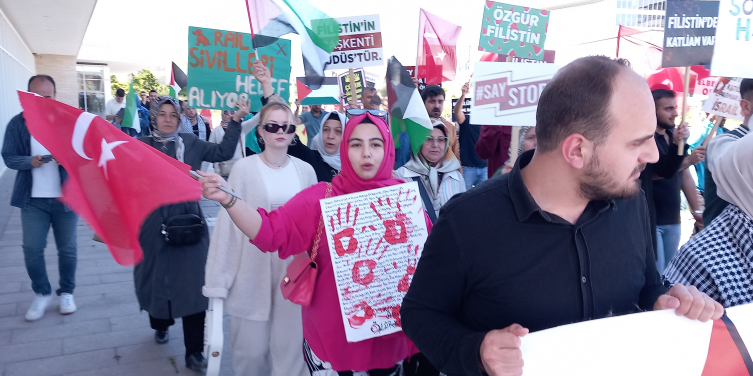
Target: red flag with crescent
[[114, 181], [436, 48]]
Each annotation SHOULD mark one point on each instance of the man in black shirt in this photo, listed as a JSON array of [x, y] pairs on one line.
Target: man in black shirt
[[474, 168], [563, 238], [666, 188]]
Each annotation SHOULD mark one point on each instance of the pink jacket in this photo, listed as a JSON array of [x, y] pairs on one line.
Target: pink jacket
[[291, 230]]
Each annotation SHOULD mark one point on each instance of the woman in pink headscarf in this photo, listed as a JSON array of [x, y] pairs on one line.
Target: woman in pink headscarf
[[291, 229]]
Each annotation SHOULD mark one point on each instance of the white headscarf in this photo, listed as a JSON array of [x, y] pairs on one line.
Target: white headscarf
[[317, 143]]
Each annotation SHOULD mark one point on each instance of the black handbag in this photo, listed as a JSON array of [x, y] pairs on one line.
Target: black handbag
[[184, 229]]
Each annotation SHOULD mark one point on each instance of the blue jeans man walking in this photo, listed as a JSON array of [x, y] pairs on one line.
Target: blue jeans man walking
[[36, 192]]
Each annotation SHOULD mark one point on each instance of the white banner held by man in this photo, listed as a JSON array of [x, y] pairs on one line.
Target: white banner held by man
[[508, 93], [724, 100], [734, 40], [375, 239]]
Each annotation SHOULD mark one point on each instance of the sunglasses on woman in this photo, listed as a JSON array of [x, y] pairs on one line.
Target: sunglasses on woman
[[357, 111], [273, 128]]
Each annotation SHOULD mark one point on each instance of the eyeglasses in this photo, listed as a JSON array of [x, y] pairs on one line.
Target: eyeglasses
[[357, 111], [438, 140], [273, 128]]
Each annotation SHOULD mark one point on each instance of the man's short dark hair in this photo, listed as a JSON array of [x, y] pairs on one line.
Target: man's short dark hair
[[44, 77], [369, 88], [576, 100], [431, 91], [661, 94], [142, 91], [376, 100], [120, 93], [746, 89], [153, 91]]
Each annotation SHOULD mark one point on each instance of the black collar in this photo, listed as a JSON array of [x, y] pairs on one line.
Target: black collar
[[525, 205]]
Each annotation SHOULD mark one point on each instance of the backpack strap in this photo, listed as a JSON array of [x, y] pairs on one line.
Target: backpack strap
[[425, 198]]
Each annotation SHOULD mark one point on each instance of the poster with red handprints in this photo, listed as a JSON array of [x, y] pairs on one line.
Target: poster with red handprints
[[375, 240]]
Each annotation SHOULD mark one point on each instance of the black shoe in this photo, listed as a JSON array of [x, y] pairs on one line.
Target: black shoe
[[160, 336], [196, 362]]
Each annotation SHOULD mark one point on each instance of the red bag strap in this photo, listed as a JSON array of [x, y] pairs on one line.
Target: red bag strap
[[318, 238]]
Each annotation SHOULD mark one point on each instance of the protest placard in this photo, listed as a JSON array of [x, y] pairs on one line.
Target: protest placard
[[220, 66], [360, 43], [514, 30], [375, 240], [704, 86], [690, 33], [466, 107], [734, 40], [725, 99], [343, 80], [421, 80], [656, 343], [548, 58], [508, 93]]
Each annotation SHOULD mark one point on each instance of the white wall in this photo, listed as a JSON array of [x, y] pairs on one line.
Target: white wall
[[16, 67]]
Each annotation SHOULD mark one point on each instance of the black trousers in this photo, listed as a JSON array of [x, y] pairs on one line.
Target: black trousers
[[193, 330]]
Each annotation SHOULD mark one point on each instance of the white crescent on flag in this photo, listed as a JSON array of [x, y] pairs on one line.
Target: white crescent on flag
[[79, 133]]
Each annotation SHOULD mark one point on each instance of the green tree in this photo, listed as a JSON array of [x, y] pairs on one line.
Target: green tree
[[143, 81]]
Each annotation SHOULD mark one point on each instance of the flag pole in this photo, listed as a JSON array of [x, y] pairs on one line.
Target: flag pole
[[251, 25], [418, 44], [717, 123], [686, 88]]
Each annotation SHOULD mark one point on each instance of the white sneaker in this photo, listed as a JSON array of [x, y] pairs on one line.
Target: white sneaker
[[36, 311], [67, 306]]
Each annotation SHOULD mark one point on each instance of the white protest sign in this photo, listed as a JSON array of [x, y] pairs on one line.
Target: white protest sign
[[725, 99], [657, 343], [508, 93], [375, 240], [734, 40], [360, 43]]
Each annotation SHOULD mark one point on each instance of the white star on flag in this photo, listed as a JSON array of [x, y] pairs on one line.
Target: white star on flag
[[440, 55], [107, 154]]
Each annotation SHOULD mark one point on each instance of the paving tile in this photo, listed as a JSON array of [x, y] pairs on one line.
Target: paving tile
[[140, 320], [8, 309], [101, 288], [149, 351], [117, 277], [10, 287], [102, 311], [27, 351], [18, 321], [66, 330], [94, 360], [5, 336], [96, 341], [156, 367]]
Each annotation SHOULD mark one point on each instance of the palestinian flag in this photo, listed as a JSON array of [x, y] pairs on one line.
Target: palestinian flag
[[178, 80], [327, 93], [407, 110], [320, 34], [131, 115]]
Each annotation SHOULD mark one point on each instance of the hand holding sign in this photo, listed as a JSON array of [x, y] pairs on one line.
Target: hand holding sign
[[244, 107], [500, 351], [681, 133], [689, 302]]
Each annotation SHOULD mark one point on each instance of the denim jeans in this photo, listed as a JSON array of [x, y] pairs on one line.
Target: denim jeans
[[667, 243], [474, 176], [36, 219]]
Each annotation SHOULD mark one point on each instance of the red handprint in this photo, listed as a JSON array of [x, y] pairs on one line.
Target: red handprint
[[404, 283], [369, 277], [396, 315], [359, 314]]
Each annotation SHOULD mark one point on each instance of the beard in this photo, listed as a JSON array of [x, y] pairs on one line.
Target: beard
[[599, 185], [666, 126]]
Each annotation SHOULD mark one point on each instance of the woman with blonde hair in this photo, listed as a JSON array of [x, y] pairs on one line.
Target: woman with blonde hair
[[265, 329]]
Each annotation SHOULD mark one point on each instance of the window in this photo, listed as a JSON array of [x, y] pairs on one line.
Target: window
[[91, 89]]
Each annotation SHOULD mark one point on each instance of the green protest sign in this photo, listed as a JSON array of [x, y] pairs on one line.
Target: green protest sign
[[220, 66], [514, 30]]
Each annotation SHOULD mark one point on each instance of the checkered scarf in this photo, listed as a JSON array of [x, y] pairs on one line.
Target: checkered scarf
[[719, 260]]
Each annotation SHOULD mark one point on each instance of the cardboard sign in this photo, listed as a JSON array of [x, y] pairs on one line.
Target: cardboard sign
[[690, 33], [360, 43], [548, 58], [704, 87], [466, 107], [655, 343], [725, 99], [343, 80], [734, 40], [220, 66], [508, 93], [514, 30], [375, 240]]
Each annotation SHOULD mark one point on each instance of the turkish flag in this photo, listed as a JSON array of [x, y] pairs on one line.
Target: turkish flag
[[436, 48], [115, 181]]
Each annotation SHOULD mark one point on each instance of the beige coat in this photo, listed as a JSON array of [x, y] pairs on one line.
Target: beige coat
[[236, 270]]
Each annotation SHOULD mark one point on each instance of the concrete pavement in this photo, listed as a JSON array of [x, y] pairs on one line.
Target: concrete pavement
[[108, 335]]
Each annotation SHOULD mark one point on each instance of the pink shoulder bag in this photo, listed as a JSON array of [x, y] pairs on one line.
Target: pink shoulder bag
[[300, 276]]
